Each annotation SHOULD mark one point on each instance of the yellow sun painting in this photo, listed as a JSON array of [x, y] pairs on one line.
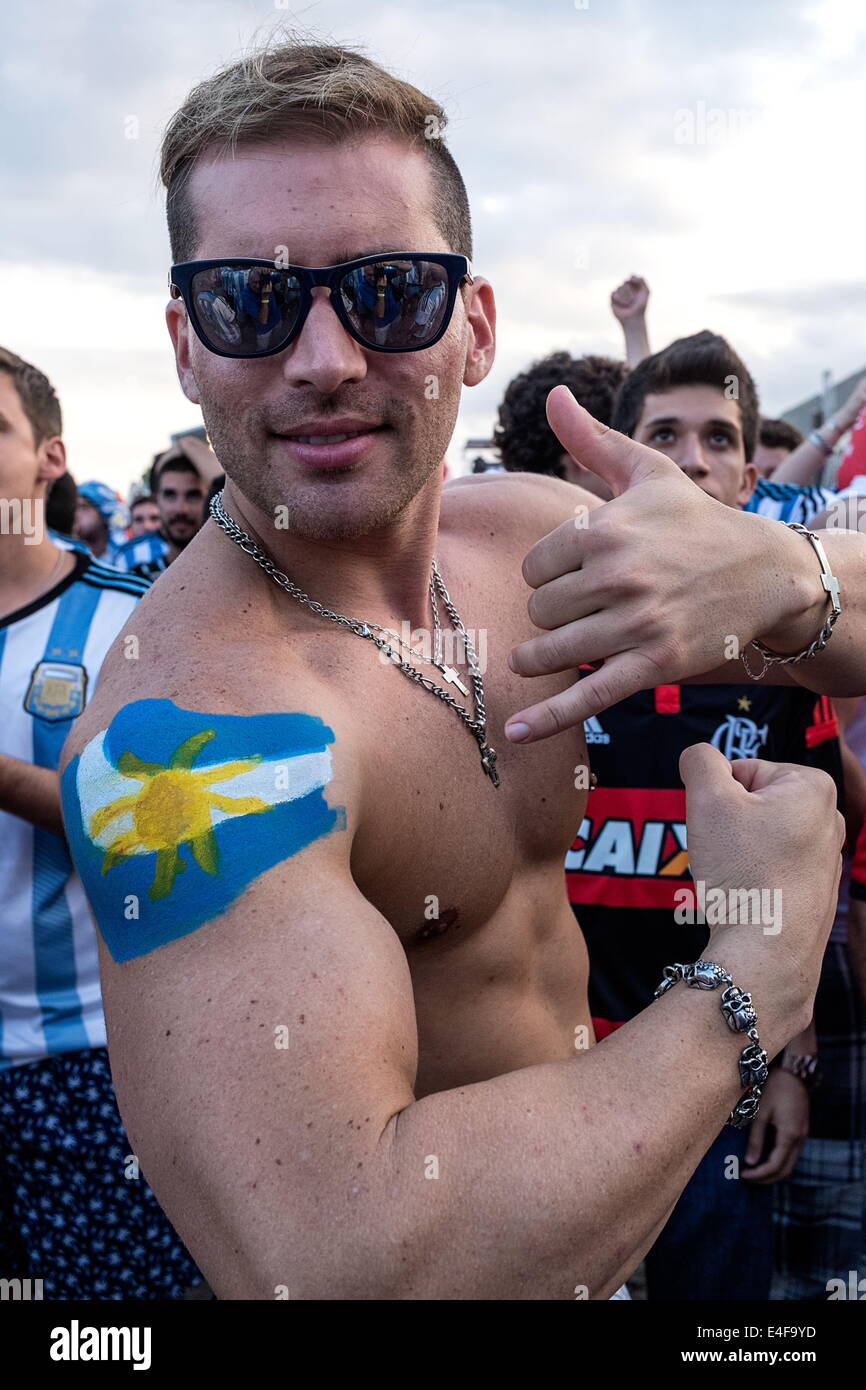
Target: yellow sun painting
[[172, 808]]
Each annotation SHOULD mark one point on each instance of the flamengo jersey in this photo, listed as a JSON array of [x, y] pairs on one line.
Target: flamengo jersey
[[51, 652], [630, 856]]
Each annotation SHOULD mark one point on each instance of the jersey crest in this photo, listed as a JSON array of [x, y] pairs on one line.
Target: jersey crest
[[738, 737], [57, 690]]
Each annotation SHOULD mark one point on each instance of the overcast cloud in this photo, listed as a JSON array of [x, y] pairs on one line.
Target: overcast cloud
[[714, 149]]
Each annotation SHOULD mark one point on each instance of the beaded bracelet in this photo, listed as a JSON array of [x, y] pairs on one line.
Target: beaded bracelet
[[740, 1017]]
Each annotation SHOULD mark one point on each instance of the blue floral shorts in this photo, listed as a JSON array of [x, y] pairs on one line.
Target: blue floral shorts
[[72, 1211]]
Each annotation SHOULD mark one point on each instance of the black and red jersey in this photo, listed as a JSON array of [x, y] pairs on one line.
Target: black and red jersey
[[858, 867], [630, 855]]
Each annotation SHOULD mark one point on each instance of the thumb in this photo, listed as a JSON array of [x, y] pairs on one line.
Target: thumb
[[706, 775], [620, 461]]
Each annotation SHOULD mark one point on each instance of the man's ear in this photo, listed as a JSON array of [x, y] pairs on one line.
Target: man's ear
[[179, 330], [51, 456], [480, 310], [748, 485]]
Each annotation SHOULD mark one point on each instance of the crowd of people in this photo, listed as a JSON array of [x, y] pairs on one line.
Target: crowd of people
[[799, 1212], [775, 1209]]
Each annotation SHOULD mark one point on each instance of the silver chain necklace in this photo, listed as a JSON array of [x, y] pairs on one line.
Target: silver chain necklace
[[477, 726]]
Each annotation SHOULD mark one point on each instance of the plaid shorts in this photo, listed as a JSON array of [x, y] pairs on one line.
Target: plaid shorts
[[72, 1211], [819, 1211]]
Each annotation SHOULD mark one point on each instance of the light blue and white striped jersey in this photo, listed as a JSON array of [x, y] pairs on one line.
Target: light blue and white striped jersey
[[51, 652], [64, 542], [787, 501], [145, 555]]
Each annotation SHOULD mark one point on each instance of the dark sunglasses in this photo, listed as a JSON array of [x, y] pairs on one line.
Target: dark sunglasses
[[394, 302]]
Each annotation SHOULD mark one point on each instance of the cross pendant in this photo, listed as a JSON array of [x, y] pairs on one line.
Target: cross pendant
[[831, 584], [488, 762], [451, 676]]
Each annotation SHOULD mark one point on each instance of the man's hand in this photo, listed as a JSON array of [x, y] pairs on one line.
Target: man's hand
[[771, 830], [629, 300], [628, 304], [784, 1107], [767, 835], [660, 584]]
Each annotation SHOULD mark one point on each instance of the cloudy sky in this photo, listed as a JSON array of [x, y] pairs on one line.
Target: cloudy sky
[[714, 149]]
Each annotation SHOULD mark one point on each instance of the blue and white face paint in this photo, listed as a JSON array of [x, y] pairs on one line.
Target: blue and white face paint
[[170, 814]]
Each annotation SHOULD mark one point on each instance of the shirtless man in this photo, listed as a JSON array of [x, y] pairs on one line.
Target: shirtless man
[[346, 998]]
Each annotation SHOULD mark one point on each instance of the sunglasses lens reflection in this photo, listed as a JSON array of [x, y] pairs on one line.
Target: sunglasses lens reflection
[[245, 311], [396, 304]]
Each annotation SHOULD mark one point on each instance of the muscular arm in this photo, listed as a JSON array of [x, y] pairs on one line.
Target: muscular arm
[[30, 792], [265, 1063]]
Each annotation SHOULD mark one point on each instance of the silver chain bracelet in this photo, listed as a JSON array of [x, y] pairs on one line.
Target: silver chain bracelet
[[740, 1017], [831, 584]]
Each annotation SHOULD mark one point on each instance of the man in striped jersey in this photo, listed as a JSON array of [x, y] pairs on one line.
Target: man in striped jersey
[[788, 502], [179, 479], [74, 1212]]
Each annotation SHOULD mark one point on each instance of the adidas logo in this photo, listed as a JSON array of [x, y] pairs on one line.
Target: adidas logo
[[593, 731]]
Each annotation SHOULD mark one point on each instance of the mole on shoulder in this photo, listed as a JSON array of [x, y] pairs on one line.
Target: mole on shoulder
[[439, 925]]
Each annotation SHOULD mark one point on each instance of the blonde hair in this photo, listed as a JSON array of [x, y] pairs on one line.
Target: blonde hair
[[313, 92]]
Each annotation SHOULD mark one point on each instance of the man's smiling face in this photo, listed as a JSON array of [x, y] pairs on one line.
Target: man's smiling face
[[327, 204]]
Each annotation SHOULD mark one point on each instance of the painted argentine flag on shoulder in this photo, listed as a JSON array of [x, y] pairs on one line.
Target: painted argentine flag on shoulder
[[171, 813]]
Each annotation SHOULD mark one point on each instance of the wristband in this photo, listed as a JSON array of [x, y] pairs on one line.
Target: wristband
[[804, 1067], [831, 584], [820, 443], [740, 1018]]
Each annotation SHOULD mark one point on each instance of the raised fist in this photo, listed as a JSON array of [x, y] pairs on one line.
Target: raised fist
[[630, 299]]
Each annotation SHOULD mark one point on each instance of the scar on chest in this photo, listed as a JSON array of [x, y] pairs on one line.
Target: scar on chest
[[437, 926]]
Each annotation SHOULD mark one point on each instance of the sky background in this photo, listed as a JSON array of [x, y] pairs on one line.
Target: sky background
[[714, 149]]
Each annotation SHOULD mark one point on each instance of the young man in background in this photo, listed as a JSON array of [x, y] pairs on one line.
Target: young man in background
[[629, 861], [75, 1211]]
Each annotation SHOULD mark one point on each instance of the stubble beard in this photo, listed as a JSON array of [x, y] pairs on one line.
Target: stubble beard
[[334, 505]]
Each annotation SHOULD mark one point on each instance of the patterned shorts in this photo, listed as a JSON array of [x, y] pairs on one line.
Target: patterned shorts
[[820, 1211], [69, 1214]]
